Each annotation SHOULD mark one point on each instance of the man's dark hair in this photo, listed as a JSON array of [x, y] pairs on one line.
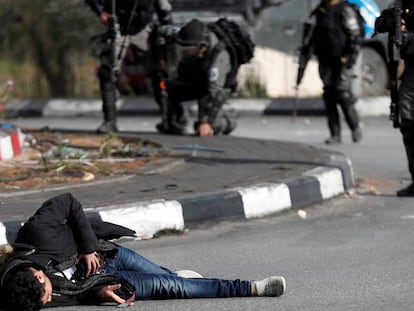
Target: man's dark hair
[[23, 291]]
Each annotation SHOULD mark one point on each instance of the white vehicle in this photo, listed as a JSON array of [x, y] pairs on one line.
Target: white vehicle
[[278, 24]]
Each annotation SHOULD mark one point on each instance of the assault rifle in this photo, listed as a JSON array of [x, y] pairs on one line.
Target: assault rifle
[[394, 44], [305, 50], [117, 48]]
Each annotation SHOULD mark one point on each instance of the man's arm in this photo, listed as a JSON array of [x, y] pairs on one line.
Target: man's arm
[[217, 75], [353, 31]]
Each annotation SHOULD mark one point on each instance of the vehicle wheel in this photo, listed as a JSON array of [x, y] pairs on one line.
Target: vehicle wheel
[[374, 75]]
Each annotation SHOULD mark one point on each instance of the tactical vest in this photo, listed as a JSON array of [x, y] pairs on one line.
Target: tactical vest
[[329, 39], [194, 70], [133, 15]]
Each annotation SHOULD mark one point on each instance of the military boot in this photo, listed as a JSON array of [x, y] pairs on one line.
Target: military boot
[[107, 126]]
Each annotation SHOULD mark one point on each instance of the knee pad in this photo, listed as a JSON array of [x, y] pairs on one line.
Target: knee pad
[[346, 97]]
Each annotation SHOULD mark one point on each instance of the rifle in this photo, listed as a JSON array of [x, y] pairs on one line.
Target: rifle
[[117, 47], [304, 55], [394, 44], [305, 50]]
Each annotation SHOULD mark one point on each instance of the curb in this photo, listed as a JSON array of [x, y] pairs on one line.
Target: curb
[[366, 106], [258, 200]]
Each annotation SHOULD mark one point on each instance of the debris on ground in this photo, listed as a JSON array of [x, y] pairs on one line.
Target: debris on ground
[[51, 158]]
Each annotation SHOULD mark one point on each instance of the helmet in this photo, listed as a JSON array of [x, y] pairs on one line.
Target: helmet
[[192, 33]]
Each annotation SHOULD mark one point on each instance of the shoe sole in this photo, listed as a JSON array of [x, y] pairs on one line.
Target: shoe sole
[[276, 287]]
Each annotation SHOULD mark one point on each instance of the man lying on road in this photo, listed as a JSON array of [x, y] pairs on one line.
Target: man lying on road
[[62, 258]]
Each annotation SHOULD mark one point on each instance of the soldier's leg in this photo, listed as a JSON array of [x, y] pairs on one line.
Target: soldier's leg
[[407, 131], [329, 74], [178, 92], [332, 114], [347, 101], [111, 58], [109, 96]]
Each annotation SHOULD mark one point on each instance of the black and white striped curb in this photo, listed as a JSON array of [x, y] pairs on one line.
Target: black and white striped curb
[[254, 201], [366, 106]]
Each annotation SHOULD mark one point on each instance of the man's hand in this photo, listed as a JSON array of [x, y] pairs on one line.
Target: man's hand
[[107, 294], [92, 262], [104, 17], [205, 130]]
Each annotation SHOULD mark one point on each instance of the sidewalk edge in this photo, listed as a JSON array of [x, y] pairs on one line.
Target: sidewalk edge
[[254, 201]]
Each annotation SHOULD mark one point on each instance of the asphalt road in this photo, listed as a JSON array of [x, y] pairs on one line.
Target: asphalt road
[[350, 253]]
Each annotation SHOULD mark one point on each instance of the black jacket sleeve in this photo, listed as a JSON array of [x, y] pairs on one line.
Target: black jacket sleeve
[[59, 228]]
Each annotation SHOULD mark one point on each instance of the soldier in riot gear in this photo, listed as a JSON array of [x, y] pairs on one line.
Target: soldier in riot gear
[[136, 27], [336, 40], [398, 21], [203, 72]]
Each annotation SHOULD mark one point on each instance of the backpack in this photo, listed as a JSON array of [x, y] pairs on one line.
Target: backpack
[[237, 42], [366, 11]]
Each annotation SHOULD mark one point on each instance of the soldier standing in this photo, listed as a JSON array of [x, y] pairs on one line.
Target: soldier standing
[[336, 41], [402, 17], [135, 18]]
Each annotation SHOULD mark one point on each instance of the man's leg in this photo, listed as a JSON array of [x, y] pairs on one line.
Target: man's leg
[[347, 101], [332, 115], [109, 97], [128, 260], [178, 92], [407, 131], [164, 286]]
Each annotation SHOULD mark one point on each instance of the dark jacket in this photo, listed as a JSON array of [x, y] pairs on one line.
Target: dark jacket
[[57, 233], [134, 15], [337, 32], [210, 74]]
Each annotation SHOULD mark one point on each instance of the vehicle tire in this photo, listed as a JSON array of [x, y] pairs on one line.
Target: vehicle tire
[[374, 74]]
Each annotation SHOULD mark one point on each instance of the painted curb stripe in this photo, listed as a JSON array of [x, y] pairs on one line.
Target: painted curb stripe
[[147, 218], [10, 144], [263, 200], [6, 149], [330, 180]]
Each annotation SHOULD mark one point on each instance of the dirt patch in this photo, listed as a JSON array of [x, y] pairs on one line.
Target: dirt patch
[[55, 158]]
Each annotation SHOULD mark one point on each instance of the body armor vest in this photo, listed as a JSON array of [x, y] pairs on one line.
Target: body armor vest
[[329, 35]]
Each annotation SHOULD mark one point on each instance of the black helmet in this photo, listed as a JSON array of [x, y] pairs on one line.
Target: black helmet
[[192, 33]]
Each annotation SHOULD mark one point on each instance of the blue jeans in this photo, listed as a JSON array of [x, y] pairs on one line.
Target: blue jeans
[[154, 282]]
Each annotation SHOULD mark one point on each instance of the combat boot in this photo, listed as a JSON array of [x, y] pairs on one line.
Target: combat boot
[[407, 191], [356, 135], [107, 126], [333, 140], [231, 122]]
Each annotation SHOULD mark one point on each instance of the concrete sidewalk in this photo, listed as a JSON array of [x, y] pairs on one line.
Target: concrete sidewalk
[[202, 182], [366, 106]]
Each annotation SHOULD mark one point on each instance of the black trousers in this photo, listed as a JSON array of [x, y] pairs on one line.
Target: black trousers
[[337, 91], [181, 91], [407, 131]]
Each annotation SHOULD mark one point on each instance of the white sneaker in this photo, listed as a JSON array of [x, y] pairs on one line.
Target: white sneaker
[[188, 274], [273, 286]]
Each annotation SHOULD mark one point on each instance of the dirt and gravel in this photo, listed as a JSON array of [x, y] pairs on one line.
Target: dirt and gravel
[[52, 158]]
